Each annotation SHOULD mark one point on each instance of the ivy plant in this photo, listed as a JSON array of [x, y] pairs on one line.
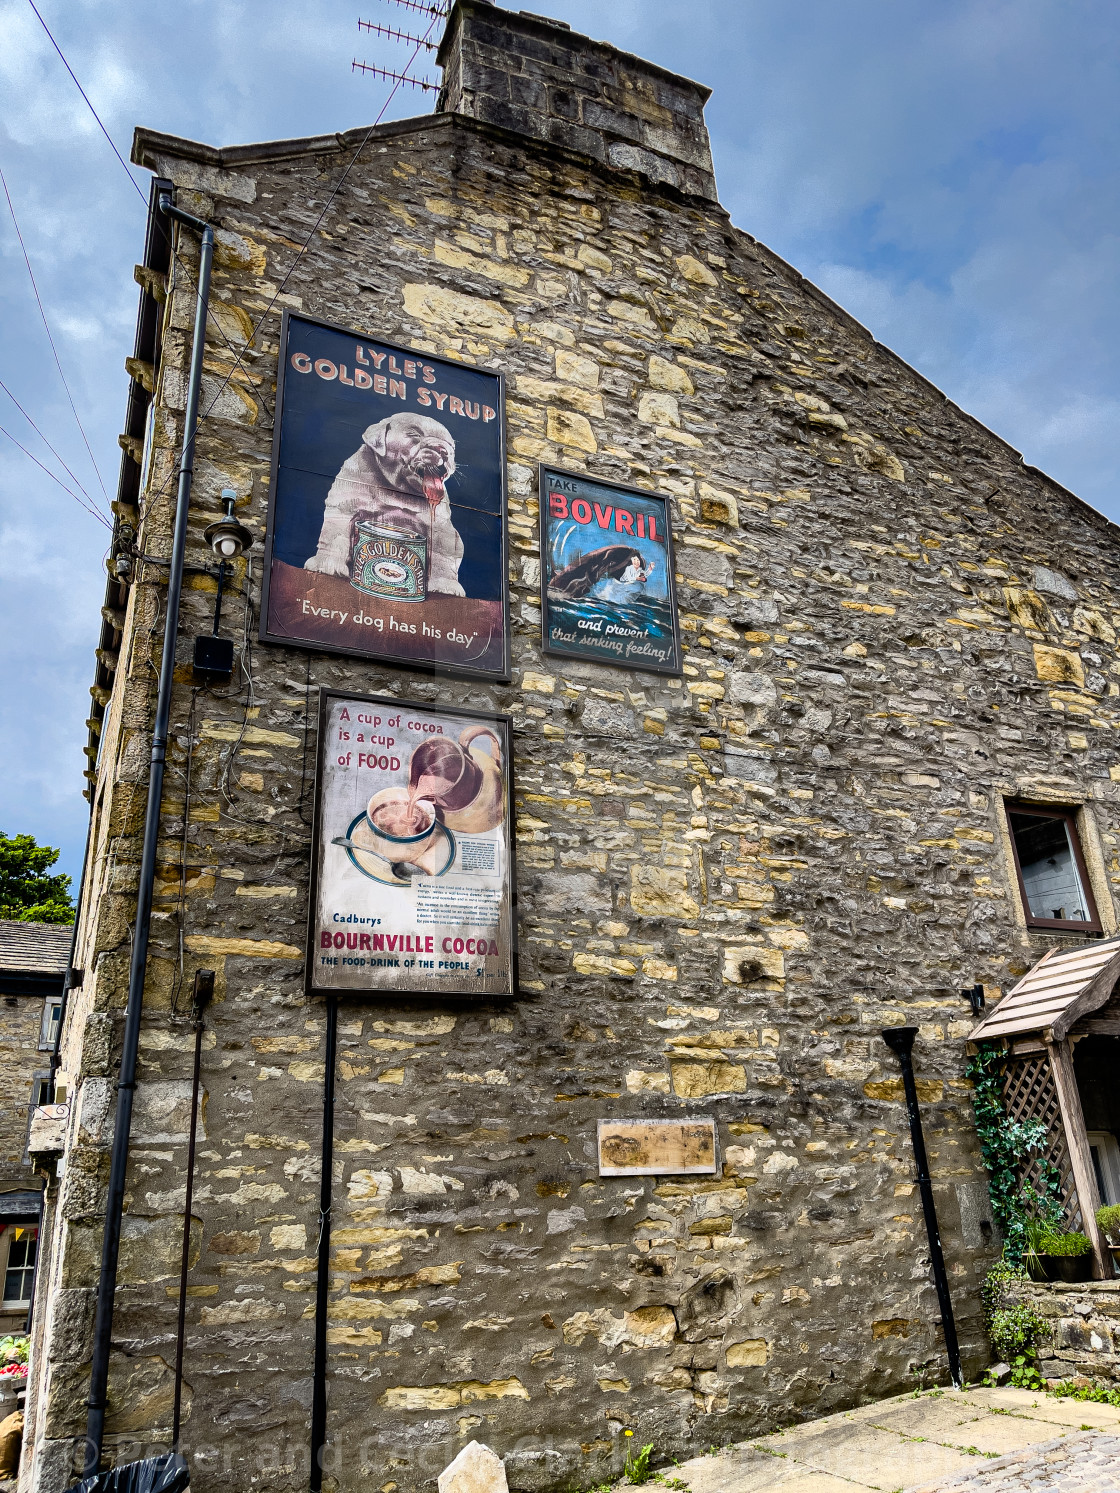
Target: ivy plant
[[1025, 1186]]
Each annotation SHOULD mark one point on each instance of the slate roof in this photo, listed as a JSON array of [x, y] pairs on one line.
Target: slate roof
[[1059, 990], [35, 948]]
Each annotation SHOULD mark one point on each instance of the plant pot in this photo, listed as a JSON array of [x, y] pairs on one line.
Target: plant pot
[[1068, 1268], [1036, 1269]]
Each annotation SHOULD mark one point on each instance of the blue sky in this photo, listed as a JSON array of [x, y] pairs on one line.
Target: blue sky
[[948, 172]]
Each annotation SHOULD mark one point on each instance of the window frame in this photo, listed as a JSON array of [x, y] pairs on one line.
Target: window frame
[[1069, 817], [6, 1241], [47, 1026]]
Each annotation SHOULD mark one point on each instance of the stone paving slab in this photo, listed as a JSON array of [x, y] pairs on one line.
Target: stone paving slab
[[1004, 1440]]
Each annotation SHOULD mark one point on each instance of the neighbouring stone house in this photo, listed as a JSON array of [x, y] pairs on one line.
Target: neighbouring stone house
[[33, 962], [729, 882]]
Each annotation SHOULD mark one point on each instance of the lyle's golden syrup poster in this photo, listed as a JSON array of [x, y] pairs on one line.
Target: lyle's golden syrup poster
[[387, 522], [413, 862], [607, 573]]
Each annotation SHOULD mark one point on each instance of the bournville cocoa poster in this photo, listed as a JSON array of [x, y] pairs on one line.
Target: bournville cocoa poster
[[413, 875], [387, 521]]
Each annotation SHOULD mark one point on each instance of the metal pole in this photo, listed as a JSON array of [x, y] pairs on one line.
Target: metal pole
[[203, 990], [114, 1202], [900, 1039], [322, 1283]]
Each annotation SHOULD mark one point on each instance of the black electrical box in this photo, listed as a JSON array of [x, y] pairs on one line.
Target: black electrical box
[[213, 659]]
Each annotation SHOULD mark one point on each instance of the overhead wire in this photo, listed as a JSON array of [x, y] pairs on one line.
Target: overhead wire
[[50, 337], [136, 187], [76, 480], [237, 356], [92, 110], [93, 512]]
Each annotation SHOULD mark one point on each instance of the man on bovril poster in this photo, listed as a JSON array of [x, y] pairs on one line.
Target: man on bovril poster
[[413, 862]]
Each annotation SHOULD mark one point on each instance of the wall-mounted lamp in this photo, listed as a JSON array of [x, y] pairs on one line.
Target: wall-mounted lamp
[[213, 656]]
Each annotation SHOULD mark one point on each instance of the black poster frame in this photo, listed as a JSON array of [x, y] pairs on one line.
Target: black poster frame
[[503, 725], [673, 671], [372, 655]]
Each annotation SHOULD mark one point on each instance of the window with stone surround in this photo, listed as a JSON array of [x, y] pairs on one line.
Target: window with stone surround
[[1050, 866], [20, 1243]]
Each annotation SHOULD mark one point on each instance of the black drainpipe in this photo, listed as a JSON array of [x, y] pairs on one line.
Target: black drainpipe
[[900, 1039], [322, 1280], [114, 1203]]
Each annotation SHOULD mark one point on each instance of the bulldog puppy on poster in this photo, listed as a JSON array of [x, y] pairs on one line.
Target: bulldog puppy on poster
[[396, 478]]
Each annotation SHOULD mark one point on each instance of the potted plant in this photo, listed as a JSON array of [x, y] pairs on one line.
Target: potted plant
[[1066, 1256], [1108, 1221], [1034, 1231]]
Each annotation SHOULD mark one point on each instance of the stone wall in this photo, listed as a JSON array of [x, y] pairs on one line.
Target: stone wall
[[21, 1019], [729, 883], [1083, 1328]]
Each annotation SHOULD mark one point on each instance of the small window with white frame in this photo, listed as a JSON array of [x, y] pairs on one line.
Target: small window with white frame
[[21, 1242], [52, 1015], [1050, 867]]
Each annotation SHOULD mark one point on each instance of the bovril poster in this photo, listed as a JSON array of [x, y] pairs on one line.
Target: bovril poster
[[386, 534], [413, 859], [607, 573]]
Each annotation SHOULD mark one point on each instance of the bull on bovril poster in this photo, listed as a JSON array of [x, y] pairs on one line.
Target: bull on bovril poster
[[413, 889]]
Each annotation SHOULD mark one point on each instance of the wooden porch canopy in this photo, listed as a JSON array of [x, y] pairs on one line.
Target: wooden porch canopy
[[1066, 995], [1061, 991]]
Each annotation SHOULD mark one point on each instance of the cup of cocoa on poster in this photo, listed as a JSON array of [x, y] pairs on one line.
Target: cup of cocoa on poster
[[403, 822]]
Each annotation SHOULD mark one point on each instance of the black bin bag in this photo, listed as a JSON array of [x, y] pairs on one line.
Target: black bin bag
[[166, 1474]]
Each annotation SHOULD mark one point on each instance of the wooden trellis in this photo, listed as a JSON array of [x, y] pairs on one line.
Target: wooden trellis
[[1030, 1093], [1066, 996]]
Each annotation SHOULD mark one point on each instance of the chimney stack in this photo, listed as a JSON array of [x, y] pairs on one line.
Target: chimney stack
[[539, 78]]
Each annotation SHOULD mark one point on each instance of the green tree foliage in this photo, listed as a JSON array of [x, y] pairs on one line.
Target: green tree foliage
[[27, 893]]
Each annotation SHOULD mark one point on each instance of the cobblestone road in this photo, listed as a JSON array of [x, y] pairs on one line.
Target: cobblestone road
[[1083, 1462]]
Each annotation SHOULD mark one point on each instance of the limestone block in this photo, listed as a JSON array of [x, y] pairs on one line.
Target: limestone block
[[718, 507], [447, 1396], [704, 1306], [751, 1353], [1053, 583], [1026, 608], [669, 377], [574, 368], [162, 1112], [151, 1248], [750, 964], [661, 892], [567, 428], [452, 311], [752, 689], [692, 1080], [658, 409], [475, 1470], [695, 272], [1058, 665], [141, 1394], [607, 718], [930, 1091]]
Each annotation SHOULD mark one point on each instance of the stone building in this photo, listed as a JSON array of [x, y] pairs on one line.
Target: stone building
[[729, 882], [33, 961]]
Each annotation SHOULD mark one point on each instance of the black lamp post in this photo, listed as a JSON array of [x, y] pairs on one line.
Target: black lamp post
[[213, 656], [900, 1039]]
